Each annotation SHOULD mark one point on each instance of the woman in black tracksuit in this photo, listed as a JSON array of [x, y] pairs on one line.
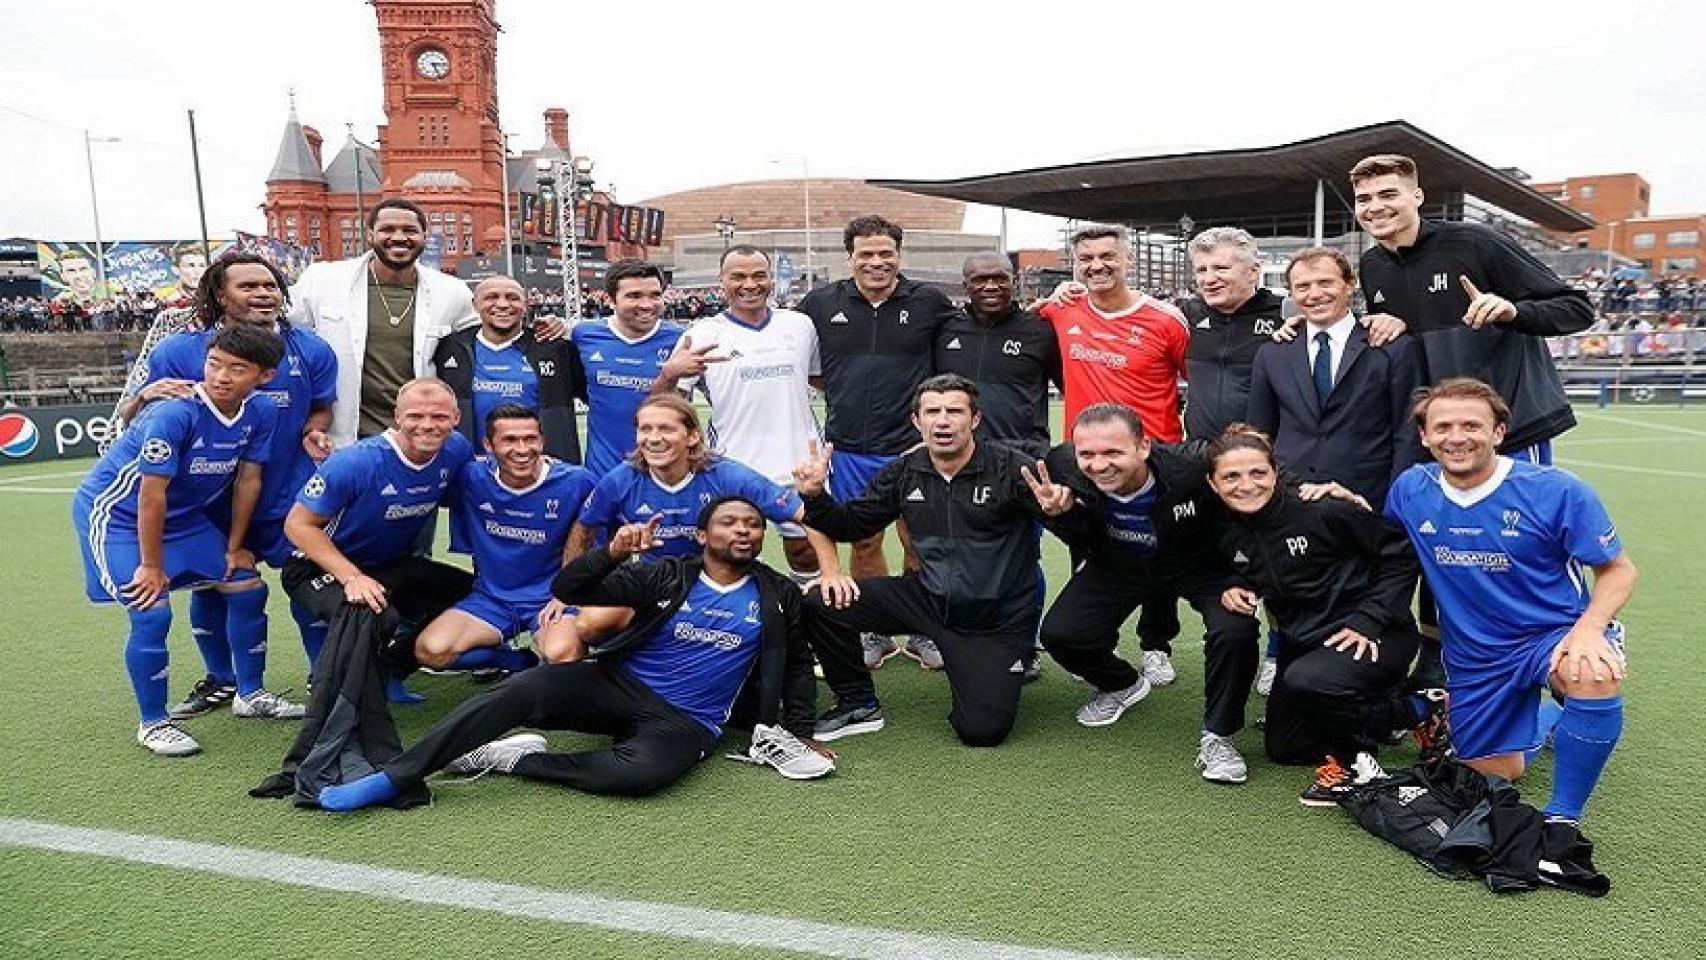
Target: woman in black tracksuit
[[1338, 580]]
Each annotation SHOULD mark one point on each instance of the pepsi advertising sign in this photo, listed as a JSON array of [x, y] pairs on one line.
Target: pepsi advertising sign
[[34, 434]]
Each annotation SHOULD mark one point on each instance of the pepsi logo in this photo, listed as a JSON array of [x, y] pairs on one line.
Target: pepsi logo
[[18, 435]]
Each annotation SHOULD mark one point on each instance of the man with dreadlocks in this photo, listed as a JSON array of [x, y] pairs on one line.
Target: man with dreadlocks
[[243, 288]]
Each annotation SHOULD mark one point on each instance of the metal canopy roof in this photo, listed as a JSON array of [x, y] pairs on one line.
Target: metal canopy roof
[[1225, 186]]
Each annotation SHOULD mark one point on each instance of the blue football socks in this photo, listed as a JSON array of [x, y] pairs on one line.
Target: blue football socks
[[1587, 732], [501, 657], [372, 789], [246, 627], [1550, 712], [145, 658], [396, 693], [313, 631], [207, 626]]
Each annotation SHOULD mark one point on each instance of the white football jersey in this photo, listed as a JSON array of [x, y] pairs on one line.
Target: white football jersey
[[761, 412]]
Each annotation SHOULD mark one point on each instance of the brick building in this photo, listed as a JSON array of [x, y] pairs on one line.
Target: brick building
[[441, 146], [1665, 245]]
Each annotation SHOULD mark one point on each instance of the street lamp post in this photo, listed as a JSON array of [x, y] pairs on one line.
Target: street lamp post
[[509, 246], [725, 225], [95, 207]]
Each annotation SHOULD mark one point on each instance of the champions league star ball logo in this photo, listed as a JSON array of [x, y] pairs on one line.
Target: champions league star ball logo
[[315, 488], [156, 451], [18, 435]]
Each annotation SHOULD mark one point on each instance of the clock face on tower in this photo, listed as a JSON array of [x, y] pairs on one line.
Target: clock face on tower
[[432, 63]]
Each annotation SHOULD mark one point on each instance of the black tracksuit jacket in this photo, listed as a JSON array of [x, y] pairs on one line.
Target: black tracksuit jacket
[[655, 589], [1219, 358], [974, 534], [1323, 565], [873, 358], [1012, 361], [1420, 285], [561, 380]]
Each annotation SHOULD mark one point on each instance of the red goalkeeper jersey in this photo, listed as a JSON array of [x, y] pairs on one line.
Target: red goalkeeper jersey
[[1134, 357]]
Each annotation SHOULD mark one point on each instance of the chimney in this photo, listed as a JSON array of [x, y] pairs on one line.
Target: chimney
[[557, 127], [313, 137]]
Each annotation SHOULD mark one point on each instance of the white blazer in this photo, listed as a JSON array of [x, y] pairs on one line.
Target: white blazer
[[331, 300]]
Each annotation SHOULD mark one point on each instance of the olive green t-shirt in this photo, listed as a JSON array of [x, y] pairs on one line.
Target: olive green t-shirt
[[389, 360]]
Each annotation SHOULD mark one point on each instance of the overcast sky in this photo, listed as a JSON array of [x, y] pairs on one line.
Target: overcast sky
[[671, 95]]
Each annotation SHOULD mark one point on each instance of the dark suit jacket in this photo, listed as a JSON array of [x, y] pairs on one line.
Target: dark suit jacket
[[1363, 435]]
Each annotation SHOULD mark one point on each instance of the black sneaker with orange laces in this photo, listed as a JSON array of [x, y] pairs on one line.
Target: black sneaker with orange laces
[[1332, 783]]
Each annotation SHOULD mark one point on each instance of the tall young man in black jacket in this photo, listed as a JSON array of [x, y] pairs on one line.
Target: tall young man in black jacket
[[692, 632], [501, 361], [1478, 305], [971, 508]]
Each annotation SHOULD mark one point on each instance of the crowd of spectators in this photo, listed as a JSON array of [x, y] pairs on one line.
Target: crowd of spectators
[[127, 311], [682, 305], [1620, 295]]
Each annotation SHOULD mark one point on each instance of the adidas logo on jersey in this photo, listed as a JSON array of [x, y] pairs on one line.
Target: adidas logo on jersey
[[1379, 297], [838, 318], [685, 607], [198, 444], [953, 344], [916, 496], [1075, 330], [645, 510], [1203, 324], [596, 357], [487, 507], [1017, 667], [388, 491], [450, 363], [1240, 558], [1427, 527]]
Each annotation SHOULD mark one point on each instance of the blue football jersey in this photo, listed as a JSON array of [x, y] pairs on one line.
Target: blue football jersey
[[1504, 560], [187, 440], [516, 536], [627, 495], [619, 375], [377, 499], [501, 375], [700, 657], [1127, 524], [308, 376]]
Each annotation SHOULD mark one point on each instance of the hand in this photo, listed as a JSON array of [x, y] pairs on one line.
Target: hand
[[1584, 650], [1240, 600], [688, 361], [1383, 328], [147, 585], [238, 559], [1054, 498], [317, 445], [1064, 294], [551, 613], [839, 590], [362, 588], [1348, 639], [1310, 492], [1485, 308], [812, 473], [1287, 331], [549, 328], [632, 538], [168, 388]]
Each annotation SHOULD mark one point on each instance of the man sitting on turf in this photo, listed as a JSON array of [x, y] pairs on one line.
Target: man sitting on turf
[[1503, 542], [512, 512], [691, 632], [142, 524]]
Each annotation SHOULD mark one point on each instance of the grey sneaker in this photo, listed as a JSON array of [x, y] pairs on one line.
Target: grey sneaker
[[776, 747], [167, 739], [1265, 679], [1158, 668], [846, 720], [1220, 761], [499, 755], [925, 651], [262, 703], [1106, 706], [878, 649]]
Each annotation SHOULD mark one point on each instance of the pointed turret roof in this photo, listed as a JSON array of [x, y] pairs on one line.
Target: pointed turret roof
[[341, 172], [295, 159]]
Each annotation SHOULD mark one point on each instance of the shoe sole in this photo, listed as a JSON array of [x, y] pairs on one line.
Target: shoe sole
[[800, 776], [1226, 781], [913, 656], [850, 730], [181, 713], [884, 659], [1317, 804], [189, 751]]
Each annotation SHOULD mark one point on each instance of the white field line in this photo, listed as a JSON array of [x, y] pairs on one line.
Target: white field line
[[32, 478], [58, 490], [534, 903], [1625, 421], [1627, 468]]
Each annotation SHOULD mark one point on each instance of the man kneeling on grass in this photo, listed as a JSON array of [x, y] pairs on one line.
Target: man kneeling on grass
[[690, 632]]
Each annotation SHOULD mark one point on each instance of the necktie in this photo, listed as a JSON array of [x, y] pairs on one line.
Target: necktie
[[1323, 366]]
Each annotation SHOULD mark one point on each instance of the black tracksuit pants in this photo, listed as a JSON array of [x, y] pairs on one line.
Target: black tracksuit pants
[[984, 667], [653, 743], [1326, 704], [418, 588], [1082, 632]]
